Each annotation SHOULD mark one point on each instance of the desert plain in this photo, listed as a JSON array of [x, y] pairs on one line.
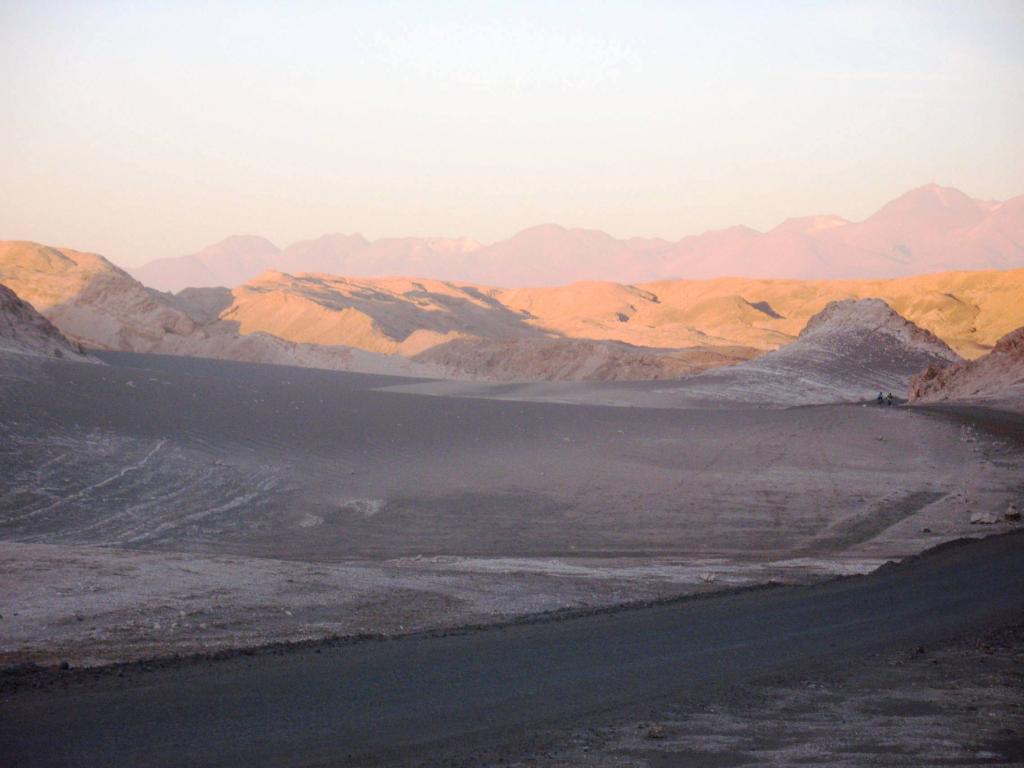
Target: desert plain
[[213, 504], [444, 524], [510, 385], [302, 522]]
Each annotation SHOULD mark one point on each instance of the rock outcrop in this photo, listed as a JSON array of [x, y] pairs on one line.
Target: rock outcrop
[[853, 323], [24, 331], [848, 352], [997, 378]]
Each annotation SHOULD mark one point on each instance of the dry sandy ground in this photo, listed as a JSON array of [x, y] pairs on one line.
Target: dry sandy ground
[[160, 505], [958, 704], [95, 605]]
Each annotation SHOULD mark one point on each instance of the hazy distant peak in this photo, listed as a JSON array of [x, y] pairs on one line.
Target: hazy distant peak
[[247, 246], [945, 195], [741, 229], [332, 237], [928, 229], [454, 244], [737, 231], [544, 227], [225, 263], [540, 232], [810, 224], [931, 199]]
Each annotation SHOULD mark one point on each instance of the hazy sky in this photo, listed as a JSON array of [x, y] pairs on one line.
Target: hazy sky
[[142, 130]]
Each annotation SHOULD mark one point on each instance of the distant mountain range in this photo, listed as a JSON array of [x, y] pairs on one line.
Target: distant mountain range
[[929, 229]]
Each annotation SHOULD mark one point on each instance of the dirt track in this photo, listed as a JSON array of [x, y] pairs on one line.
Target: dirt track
[[422, 700]]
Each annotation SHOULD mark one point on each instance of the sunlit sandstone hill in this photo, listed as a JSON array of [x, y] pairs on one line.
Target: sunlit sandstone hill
[[929, 229], [590, 330], [25, 332], [969, 311], [99, 305], [848, 352]]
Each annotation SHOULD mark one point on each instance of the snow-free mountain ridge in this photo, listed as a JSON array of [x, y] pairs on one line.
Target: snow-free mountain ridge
[[929, 229]]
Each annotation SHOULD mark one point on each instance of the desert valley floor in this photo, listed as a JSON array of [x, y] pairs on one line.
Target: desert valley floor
[[559, 386], [154, 506]]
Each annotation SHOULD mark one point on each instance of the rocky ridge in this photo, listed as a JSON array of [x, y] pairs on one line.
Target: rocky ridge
[[24, 331], [996, 378], [437, 328], [102, 307]]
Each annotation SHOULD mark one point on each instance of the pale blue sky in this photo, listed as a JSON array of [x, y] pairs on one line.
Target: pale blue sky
[[142, 130]]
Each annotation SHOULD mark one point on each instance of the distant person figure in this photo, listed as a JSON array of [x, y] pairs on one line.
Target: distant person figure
[[881, 399], [888, 399]]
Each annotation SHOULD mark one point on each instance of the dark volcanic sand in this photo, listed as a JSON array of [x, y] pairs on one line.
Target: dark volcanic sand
[[209, 456], [166, 505]]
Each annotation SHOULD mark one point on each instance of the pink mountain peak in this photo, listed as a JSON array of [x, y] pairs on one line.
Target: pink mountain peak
[[929, 229]]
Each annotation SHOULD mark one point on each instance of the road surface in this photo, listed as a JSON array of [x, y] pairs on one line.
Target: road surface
[[412, 699]]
